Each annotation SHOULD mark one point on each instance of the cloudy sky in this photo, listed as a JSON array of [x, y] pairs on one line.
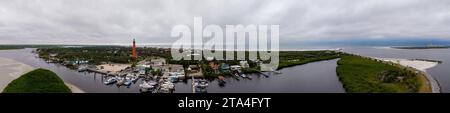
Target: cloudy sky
[[150, 21]]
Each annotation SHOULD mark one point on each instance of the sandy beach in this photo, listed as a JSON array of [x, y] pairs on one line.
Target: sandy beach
[[417, 64], [113, 68], [420, 65], [11, 70], [74, 88]]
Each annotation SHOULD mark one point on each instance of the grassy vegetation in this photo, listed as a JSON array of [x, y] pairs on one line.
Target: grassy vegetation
[[5, 47], [37, 81], [293, 58], [364, 75], [98, 54]]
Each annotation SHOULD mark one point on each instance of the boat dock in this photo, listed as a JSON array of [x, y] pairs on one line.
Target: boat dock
[[193, 84], [100, 72]]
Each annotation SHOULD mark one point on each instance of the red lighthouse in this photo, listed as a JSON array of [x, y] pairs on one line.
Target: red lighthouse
[[134, 50]]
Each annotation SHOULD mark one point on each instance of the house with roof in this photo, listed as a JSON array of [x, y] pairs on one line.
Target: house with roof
[[224, 67]]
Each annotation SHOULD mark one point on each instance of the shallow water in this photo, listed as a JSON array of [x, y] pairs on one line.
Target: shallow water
[[318, 77]]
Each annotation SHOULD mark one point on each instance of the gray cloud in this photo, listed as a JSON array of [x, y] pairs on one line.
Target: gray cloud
[[150, 21]]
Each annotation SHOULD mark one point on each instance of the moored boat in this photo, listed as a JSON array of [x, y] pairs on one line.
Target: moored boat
[[201, 84], [110, 81], [82, 68], [127, 82], [120, 81], [147, 86]]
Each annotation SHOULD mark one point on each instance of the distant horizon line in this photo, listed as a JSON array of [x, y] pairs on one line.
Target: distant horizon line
[[168, 44], [284, 44]]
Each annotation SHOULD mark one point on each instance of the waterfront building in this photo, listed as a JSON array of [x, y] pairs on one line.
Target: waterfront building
[[158, 62], [213, 65]]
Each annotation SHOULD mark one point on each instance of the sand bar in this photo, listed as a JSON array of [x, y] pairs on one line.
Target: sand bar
[[11, 70], [420, 65]]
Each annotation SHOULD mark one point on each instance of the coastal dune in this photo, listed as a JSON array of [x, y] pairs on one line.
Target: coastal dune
[[11, 70]]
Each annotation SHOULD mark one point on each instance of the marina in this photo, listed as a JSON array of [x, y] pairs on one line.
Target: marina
[[289, 81]]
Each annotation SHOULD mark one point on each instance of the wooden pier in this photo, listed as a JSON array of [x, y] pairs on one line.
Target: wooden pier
[[100, 72]]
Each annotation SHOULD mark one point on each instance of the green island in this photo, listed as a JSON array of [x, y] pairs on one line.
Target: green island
[[364, 75], [37, 81]]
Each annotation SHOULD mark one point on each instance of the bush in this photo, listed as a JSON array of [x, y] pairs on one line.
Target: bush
[[37, 81]]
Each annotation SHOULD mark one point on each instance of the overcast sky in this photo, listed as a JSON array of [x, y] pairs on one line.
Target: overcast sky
[[150, 21]]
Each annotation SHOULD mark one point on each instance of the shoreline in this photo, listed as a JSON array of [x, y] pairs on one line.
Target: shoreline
[[74, 88], [11, 70], [420, 66]]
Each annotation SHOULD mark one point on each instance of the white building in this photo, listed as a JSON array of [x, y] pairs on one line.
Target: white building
[[244, 64], [158, 62], [235, 67]]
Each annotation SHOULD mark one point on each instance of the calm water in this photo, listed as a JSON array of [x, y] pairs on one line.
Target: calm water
[[441, 72], [89, 82], [318, 77]]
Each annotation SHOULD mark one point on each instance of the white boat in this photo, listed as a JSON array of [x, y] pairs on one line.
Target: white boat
[[168, 85], [243, 76], [152, 83], [127, 82], [164, 90], [201, 84], [110, 81], [146, 85], [235, 74], [120, 81], [277, 72], [82, 68]]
